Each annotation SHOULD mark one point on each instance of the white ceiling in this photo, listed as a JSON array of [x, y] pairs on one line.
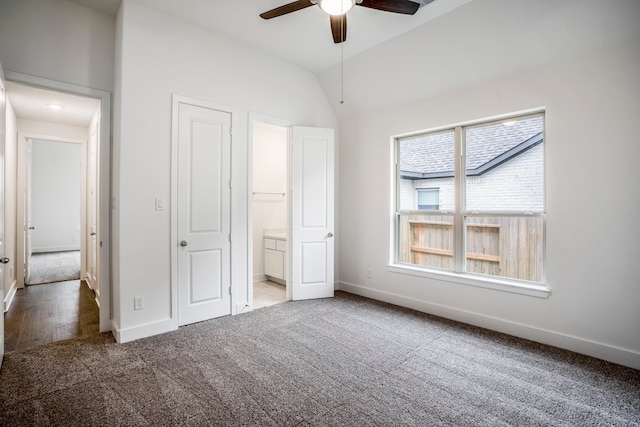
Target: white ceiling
[[31, 103], [302, 37], [110, 7], [392, 59]]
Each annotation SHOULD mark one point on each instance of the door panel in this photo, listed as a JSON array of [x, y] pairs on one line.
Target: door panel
[[206, 279], [92, 268], [27, 211], [2, 263], [312, 213], [314, 263], [204, 219]]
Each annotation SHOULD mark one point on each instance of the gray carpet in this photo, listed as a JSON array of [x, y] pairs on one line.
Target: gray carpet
[[342, 361], [51, 267]]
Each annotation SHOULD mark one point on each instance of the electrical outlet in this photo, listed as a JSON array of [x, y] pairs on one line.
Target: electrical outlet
[[138, 303]]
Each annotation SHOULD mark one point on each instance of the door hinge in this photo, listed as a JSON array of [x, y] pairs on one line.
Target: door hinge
[[229, 184], [229, 290], [229, 237]]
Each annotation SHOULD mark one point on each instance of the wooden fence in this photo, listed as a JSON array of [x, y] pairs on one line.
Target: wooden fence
[[508, 247]]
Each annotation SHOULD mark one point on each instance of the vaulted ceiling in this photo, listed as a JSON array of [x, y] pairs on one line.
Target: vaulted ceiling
[[391, 59]]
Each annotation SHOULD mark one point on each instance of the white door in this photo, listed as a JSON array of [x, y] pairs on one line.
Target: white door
[[204, 213], [3, 260], [29, 227], [92, 256], [312, 204]]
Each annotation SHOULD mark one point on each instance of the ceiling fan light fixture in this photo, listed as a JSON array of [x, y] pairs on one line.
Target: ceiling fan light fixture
[[336, 7]]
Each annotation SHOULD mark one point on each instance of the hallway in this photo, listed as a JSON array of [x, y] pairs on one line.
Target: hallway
[[41, 314]]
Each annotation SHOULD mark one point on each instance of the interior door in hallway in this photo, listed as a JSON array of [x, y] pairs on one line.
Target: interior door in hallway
[[92, 211], [29, 227], [3, 260], [203, 213], [312, 213]]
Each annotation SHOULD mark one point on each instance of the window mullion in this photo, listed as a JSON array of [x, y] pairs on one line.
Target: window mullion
[[459, 229]]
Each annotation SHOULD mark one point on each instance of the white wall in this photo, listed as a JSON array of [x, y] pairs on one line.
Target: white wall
[[269, 176], [59, 40], [35, 129], [55, 195], [592, 107], [10, 163], [159, 56]]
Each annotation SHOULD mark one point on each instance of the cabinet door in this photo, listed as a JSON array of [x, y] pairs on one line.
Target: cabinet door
[[274, 263]]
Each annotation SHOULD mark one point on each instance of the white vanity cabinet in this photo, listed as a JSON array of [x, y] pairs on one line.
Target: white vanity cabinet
[[275, 251]]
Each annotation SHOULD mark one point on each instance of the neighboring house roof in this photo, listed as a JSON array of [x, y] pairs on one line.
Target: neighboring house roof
[[432, 156]]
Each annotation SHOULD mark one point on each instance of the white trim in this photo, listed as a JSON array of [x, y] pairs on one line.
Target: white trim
[[45, 249], [143, 331], [591, 348], [104, 166], [458, 274], [8, 298], [259, 278], [236, 136], [21, 182], [483, 120], [488, 282]]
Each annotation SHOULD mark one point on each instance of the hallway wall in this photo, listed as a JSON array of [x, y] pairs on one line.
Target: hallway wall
[[55, 195]]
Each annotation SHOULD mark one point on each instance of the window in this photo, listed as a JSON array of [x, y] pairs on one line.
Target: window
[[486, 211], [428, 199]]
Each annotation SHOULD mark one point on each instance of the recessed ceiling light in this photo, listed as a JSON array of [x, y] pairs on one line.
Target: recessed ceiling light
[[55, 106]]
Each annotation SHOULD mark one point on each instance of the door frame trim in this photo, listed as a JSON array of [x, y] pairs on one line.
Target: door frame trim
[[104, 229], [21, 181], [176, 100]]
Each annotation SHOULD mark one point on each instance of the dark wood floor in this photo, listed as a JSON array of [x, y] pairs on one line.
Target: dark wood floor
[[41, 314]]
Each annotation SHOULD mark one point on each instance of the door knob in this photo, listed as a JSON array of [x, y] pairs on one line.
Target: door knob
[[183, 243], [330, 234], [4, 260]]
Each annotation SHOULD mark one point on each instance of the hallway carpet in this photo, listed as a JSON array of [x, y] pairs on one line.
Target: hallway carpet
[[51, 267], [345, 361]]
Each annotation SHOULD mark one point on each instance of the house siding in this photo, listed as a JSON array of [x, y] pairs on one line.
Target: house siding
[[514, 185]]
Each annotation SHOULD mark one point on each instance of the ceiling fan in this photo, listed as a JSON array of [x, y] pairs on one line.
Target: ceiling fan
[[337, 10]]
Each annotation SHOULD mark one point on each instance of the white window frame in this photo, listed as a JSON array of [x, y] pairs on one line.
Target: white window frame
[[433, 189], [458, 275]]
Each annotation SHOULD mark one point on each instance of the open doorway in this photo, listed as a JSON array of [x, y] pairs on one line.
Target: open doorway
[[270, 213], [54, 198], [56, 214]]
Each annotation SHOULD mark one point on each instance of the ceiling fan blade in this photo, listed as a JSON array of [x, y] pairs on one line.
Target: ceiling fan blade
[[339, 28], [287, 8], [406, 7]]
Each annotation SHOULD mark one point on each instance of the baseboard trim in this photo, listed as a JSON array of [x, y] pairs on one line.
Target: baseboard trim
[[55, 249], [143, 331], [8, 299], [587, 347]]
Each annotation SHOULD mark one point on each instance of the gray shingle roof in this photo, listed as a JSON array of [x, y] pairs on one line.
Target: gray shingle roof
[[432, 155]]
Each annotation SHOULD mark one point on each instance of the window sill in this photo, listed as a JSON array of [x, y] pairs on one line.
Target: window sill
[[478, 281]]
